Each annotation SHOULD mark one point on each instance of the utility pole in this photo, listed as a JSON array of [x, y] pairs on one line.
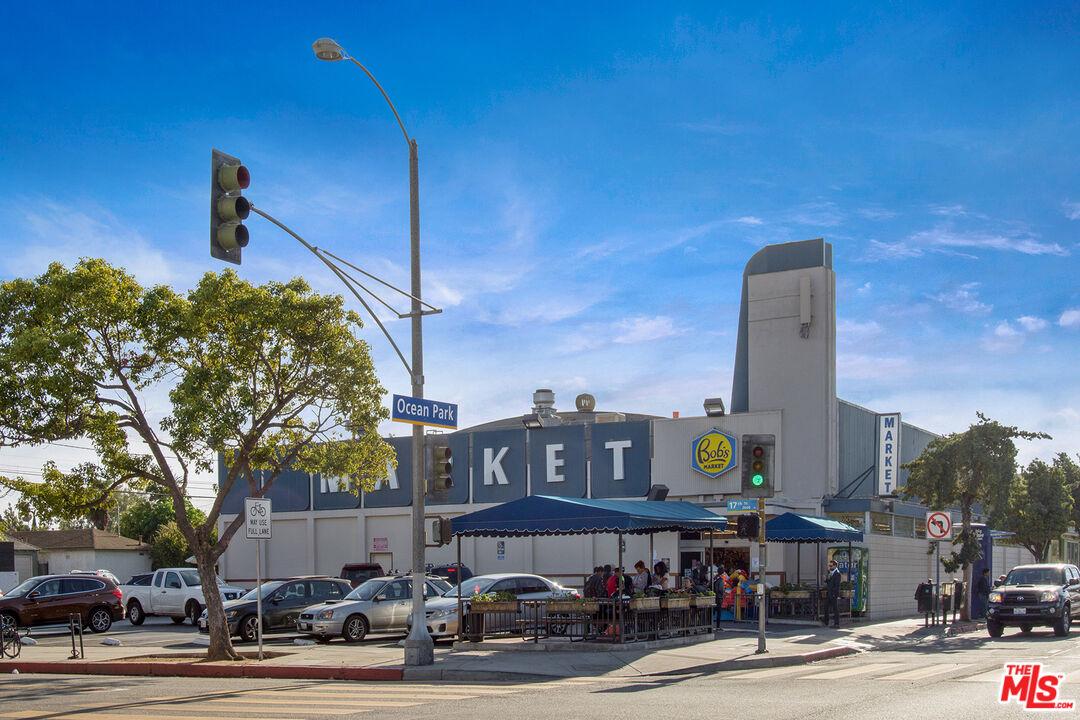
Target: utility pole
[[763, 605]]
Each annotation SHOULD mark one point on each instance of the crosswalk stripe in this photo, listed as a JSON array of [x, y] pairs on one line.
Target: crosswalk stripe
[[263, 699], [849, 671], [769, 672], [414, 689], [925, 672], [989, 676]]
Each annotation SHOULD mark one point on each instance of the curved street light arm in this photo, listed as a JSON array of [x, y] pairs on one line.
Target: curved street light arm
[[386, 97]]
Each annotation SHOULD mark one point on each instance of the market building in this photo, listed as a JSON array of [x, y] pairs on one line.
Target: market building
[[824, 457]]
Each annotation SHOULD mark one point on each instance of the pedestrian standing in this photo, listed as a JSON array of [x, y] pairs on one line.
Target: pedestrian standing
[[982, 591], [594, 585], [832, 594]]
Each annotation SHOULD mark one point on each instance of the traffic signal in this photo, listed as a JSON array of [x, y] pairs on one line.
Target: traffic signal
[[228, 207], [757, 469], [440, 532], [442, 468], [746, 526]]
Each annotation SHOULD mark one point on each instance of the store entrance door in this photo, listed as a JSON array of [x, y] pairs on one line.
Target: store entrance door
[[686, 560]]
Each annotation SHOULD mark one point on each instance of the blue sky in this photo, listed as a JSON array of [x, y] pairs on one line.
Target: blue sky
[[592, 181]]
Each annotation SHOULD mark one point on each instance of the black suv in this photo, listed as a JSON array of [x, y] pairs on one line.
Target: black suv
[[1046, 595], [282, 601]]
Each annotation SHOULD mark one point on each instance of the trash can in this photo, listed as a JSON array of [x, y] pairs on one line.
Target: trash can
[[924, 597]]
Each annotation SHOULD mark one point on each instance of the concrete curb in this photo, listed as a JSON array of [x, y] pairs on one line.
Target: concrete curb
[[757, 663], [205, 670]]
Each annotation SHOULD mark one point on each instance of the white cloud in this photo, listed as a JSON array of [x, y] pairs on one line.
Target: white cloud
[[949, 210], [749, 220], [55, 231], [858, 366], [1072, 209], [891, 251], [876, 213], [943, 237], [630, 331], [852, 331], [865, 289], [1031, 324], [816, 214], [963, 299], [1004, 338], [1070, 318]]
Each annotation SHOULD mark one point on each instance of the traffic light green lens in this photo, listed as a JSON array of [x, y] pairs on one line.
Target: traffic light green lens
[[757, 480]]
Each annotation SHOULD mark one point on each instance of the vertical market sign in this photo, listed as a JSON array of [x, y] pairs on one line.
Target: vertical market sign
[[888, 454], [713, 453]]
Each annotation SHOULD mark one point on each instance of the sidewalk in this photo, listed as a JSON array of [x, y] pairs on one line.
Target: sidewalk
[[732, 648]]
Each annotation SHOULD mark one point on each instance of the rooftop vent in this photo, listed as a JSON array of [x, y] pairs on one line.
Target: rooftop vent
[[544, 402]]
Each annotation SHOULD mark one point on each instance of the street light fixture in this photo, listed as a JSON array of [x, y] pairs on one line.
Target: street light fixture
[[419, 647]]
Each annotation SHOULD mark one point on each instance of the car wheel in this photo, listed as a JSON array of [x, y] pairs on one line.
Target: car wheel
[[178, 620], [355, 628], [1064, 623], [1025, 629], [193, 612], [995, 629], [135, 614], [100, 620], [249, 628]]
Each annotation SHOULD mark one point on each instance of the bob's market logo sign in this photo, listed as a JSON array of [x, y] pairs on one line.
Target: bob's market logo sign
[[713, 453]]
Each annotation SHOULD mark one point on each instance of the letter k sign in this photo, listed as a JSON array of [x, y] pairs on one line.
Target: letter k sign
[[493, 469]]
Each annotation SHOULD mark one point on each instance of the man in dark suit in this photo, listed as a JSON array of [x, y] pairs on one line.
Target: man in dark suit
[[832, 594]]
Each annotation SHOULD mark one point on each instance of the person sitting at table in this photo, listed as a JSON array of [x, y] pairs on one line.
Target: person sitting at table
[[663, 581], [642, 578]]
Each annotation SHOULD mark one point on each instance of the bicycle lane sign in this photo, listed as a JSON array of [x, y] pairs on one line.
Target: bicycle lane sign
[[257, 519]]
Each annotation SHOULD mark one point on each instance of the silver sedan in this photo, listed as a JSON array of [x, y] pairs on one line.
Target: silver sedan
[[379, 605]]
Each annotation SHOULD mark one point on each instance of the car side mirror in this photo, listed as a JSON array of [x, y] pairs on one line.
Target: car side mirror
[[379, 598], [33, 596]]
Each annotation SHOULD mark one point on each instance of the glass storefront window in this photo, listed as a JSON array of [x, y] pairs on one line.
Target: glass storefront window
[[920, 527], [903, 526], [881, 523], [855, 520]]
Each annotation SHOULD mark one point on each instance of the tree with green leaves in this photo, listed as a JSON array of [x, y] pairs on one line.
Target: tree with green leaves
[[169, 547], [267, 377], [1040, 506], [12, 520], [141, 517], [963, 469], [80, 498], [1071, 469]]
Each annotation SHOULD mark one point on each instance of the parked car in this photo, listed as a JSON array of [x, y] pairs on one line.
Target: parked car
[[282, 602], [442, 613], [1044, 595], [100, 572], [380, 605], [451, 572], [50, 599], [358, 573], [175, 592]]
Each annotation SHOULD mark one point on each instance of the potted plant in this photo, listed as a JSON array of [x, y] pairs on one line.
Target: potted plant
[[675, 601], [499, 602], [641, 602], [566, 603], [704, 599]]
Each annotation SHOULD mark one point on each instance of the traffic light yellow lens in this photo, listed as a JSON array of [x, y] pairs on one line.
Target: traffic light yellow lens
[[758, 480]]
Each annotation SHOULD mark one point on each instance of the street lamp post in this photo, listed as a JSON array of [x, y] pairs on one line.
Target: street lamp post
[[419, 647]]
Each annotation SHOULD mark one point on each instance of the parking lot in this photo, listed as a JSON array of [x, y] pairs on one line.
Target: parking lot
[[162, 633]]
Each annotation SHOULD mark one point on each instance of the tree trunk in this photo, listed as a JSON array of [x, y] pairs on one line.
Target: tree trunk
[[220, 641], [965, 607]]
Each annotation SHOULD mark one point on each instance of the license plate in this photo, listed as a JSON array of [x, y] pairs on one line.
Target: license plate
[[1019, 611], [202, 624], [305, 626]]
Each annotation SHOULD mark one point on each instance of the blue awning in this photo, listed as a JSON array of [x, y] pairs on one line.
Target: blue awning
[[547, 515], [792, 527]]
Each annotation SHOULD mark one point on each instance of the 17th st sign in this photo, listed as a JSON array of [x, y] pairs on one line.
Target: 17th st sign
[[421, 411]]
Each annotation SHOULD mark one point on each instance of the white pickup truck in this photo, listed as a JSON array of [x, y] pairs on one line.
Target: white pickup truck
[[175, 592]]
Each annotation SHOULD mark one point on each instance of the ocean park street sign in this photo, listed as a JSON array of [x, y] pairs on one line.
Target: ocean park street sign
[[420, 411]]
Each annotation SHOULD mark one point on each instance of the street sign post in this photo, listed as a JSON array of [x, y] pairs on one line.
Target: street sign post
[[422, 411], [258, 526], [938, 528]]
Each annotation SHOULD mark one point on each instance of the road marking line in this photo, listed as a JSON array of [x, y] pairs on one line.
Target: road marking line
[[920, 673], [849, 672], [769, 672], [301, 694], [414, 689], [255, 700], [989, 676]]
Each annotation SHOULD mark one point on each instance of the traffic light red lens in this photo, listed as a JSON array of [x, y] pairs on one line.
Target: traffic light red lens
[[758, 451], [243, 177]]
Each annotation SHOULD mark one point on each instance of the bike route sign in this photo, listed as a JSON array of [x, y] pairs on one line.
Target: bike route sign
[[258, 523]]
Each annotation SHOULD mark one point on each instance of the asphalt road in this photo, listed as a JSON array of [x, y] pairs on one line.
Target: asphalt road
[[954, 679]]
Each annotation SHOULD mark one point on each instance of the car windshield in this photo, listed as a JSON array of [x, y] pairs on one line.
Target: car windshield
[[472, 586], [23, 588], [440, 584], [191, 578], [366, 591], [1036, 576], [265, 589]]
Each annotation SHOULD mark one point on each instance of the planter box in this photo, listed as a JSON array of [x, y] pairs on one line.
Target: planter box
[[703, 601], [646, 603], [502, 606], [564, 606], [845, 594], [792, 594], [675, 603]]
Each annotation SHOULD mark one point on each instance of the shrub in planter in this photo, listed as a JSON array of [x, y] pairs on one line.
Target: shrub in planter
[[494, 602]]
